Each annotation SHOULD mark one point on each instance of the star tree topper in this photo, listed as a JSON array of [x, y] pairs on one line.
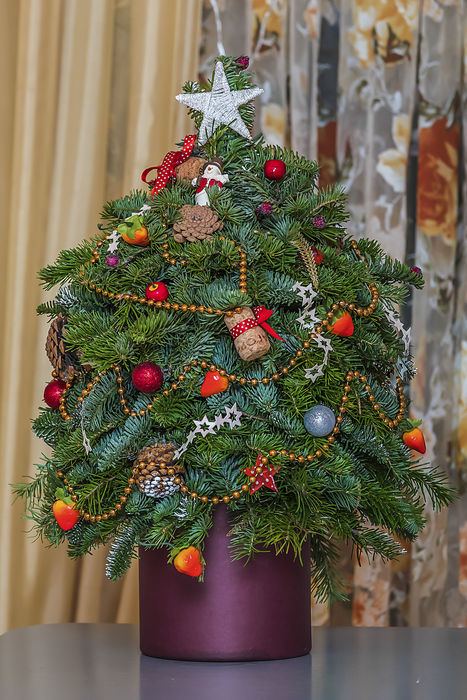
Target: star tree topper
[[220, 105]]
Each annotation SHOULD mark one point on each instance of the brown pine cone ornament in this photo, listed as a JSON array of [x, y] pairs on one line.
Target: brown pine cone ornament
[[60, 358], [190, 169], [196, 224], [153, 464]]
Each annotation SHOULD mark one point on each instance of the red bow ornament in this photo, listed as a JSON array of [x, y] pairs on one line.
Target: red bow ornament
[[261, 316], [166, 171]]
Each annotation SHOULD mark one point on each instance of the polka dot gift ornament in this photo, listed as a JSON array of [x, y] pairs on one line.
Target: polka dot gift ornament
[[225, 392]]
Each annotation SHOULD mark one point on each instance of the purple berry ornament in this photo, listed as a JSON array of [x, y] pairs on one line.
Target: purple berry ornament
[[319, 222], [264, 209], [112, 260], [242, 62]]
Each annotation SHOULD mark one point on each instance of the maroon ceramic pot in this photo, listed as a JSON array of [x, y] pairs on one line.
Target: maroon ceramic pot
[[258, 611]]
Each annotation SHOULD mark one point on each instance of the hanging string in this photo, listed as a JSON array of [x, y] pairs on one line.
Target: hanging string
[[220, 39]]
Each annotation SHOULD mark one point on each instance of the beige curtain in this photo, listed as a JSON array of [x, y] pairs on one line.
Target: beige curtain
[[87, 103]]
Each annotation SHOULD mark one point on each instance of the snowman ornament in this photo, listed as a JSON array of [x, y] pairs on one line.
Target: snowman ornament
[[212, 174]]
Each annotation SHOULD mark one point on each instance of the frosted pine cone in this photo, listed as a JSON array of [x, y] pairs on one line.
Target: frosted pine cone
[[153, 464], [196, 224]]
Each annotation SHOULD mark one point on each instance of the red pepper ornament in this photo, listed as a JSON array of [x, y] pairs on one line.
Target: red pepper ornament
[[415, 440], [64, 510], [214, 383], [53, 391], [157, 291], [343, 325], [188, 562]]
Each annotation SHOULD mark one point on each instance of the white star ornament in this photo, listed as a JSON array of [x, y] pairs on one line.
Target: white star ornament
[[220, 106]]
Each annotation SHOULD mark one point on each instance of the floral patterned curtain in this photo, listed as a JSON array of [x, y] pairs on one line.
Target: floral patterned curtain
[[375, 90]]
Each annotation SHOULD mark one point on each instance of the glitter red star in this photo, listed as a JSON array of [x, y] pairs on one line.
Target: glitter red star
[[266, 478]]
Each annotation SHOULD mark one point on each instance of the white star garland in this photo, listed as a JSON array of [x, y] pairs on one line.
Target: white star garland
[[144, 208], [114, 239], [402, 365], [398, 325], [86, 443], [316, 371], [205, 426], [309, 319], [220, 105]]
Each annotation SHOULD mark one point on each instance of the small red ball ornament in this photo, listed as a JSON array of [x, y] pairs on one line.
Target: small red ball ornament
[[53, 391], [157, 291], [147, 377], [274, 169]]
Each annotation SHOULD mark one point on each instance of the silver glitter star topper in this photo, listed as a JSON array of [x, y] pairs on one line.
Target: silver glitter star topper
[[220, 105]]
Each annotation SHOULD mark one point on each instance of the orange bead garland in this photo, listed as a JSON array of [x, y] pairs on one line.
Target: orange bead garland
[[292, 456], [322, 326], [135, 298]]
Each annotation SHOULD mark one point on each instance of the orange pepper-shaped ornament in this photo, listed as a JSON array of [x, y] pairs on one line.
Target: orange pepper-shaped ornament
[[343, 325], [188, 562], [133, 231]]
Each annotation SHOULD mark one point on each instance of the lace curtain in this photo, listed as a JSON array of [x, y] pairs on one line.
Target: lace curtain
[[375, 91]]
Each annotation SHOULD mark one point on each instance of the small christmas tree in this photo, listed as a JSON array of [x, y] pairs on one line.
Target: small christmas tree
[[222, 340]]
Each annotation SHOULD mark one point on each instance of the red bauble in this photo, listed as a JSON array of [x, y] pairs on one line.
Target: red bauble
[[157, 291], [274, 169], [53, 391], [147, 377]]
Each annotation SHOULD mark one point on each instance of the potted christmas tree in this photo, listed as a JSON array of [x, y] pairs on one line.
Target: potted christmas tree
[[229, 392]]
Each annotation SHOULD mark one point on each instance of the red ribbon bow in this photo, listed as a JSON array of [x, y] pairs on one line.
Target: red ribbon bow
[[262, 314], [167, 170]]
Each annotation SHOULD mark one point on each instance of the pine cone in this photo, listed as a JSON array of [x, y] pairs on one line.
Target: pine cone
[[60, 358], [190, 169], [152, 464], [196, 224]]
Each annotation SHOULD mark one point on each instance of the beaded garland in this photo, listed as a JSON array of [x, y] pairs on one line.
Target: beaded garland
[[352, 375], [174, 306]]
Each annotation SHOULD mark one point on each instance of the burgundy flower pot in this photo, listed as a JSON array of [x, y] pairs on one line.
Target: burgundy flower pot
[[258, 611]]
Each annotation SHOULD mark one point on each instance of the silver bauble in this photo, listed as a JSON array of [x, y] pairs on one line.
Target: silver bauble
[[319, 421]]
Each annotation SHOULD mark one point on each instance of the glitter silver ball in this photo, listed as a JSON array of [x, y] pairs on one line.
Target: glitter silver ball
[[319, 421]]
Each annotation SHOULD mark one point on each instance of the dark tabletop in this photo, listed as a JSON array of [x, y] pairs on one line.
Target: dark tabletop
[[97, 661]]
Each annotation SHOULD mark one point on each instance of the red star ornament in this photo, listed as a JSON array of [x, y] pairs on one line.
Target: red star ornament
[[266, 478]]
